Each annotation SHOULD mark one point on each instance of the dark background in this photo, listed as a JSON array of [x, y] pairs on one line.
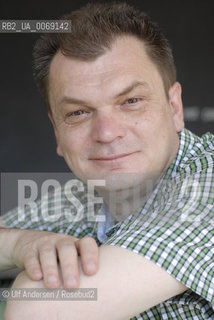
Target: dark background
[[27, 140]]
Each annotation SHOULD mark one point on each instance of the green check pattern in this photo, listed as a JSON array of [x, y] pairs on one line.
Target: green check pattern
[[173, 228]]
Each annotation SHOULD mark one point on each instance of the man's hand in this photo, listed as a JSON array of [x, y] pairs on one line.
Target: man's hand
[[39, 253]]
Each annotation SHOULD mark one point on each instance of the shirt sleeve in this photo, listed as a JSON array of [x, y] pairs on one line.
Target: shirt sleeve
[[55, 212], [176, 232]]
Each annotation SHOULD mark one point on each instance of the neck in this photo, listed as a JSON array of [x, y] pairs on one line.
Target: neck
[[122, 203]]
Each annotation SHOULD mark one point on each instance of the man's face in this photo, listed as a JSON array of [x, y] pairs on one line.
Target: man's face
[[111, 116]]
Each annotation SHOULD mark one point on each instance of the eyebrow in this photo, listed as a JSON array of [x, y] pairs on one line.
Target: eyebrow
[[131, 87], [126, 90]]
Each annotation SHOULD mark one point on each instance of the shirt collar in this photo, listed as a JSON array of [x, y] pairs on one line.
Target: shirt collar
[[186, 142]]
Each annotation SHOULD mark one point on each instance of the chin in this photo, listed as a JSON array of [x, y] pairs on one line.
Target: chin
[[118, 181]]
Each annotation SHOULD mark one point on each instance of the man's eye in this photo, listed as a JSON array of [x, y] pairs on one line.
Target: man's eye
[[132, 100], [76, 113], [76, 116]]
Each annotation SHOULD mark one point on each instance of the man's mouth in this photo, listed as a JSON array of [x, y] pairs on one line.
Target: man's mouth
[[114, 157]]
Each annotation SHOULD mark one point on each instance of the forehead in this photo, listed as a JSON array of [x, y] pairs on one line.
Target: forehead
[[125, 62]]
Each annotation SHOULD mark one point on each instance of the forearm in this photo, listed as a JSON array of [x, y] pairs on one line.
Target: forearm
[[127, 284], [8, 239]]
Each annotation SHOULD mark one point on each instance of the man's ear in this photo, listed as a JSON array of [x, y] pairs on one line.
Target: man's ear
[[176, 105], [58, 149]]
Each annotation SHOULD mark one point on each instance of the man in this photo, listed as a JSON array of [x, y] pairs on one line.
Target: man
[[116, 108]]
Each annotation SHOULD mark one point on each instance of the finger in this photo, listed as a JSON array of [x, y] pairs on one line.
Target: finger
[[88, 251], [68, 258], [48, 261], [32, 266]]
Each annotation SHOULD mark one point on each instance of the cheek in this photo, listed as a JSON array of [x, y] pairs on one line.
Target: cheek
[[144, 124], [152, 130], [69, 142]]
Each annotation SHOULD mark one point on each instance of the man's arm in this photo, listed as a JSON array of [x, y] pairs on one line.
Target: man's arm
[[127, 284], [38, 253]]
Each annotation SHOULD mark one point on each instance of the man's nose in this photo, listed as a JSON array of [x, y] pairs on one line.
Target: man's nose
[[107, 128]]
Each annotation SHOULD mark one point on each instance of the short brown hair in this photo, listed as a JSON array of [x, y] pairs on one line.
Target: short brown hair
[[93, 29]]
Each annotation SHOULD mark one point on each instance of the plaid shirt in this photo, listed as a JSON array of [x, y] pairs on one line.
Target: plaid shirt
[[173, 228]]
